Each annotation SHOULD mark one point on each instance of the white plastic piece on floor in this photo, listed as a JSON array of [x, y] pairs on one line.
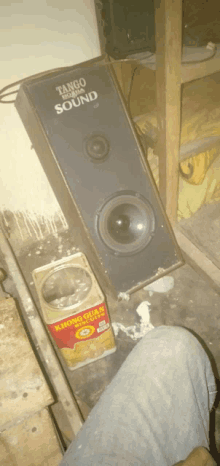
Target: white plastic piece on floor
[[143, 310], [137, 331], [124, 296], [162, 285]]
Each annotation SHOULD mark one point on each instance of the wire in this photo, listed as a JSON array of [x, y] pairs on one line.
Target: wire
[[4, 94], [131, 85], [194, 62], [131, 82]]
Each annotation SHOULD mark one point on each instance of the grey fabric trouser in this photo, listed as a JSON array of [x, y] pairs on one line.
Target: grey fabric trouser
[[156, 409]]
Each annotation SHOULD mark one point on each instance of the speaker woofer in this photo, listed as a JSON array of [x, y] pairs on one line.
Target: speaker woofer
[[126, 223]]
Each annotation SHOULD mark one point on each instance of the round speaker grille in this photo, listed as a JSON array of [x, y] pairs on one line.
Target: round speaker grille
[[66, 287], [97, 147], [126, 223]]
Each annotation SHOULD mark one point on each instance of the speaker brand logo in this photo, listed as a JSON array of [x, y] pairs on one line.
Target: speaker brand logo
[[73, 91]]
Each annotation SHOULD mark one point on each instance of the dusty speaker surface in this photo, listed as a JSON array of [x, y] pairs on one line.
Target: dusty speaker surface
[[81, 131]]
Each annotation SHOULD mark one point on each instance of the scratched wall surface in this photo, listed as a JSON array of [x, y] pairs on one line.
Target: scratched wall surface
[[35, 37]]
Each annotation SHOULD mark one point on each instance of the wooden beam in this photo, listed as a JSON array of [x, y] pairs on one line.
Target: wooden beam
[[168, 18], [23, 388], [32, 442]]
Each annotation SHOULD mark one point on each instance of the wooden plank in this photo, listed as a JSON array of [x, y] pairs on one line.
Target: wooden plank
[[198, 260], [23, 389], [63, 422], [31, 443], [202, 69], [41, 339], [168, 18]]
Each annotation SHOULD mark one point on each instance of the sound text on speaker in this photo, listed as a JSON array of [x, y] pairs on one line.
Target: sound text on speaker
[[72, 91]]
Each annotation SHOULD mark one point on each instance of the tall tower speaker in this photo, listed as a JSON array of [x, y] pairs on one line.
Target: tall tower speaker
[[79, 126]]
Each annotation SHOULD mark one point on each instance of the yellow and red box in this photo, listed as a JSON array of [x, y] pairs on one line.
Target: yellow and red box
[[74, 310]]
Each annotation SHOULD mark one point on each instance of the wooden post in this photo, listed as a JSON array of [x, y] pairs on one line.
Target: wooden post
[[168, 19]]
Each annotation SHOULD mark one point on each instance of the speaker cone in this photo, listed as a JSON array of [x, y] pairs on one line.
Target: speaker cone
[[96, 147], [126, 223]]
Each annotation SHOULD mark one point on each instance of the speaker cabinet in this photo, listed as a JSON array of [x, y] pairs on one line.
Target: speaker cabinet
[[128, 26], [82, 133]]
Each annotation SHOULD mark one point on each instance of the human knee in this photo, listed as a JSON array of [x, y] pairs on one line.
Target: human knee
[[178, 337]]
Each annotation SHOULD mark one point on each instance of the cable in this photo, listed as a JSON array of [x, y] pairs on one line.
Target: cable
[[132, 78], [4, 94], [194, 62], [131, 85]]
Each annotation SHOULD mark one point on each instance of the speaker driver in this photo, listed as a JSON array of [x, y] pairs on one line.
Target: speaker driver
[[126, 223], [97, 147]]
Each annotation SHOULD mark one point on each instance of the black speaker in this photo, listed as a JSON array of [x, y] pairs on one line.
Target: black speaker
[[86, 142], [128, 26]]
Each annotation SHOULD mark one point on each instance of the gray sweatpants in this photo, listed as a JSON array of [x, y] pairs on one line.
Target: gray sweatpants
[[156, 409]]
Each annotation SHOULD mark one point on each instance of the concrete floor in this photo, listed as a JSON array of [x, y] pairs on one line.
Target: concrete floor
[[191, 303]]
